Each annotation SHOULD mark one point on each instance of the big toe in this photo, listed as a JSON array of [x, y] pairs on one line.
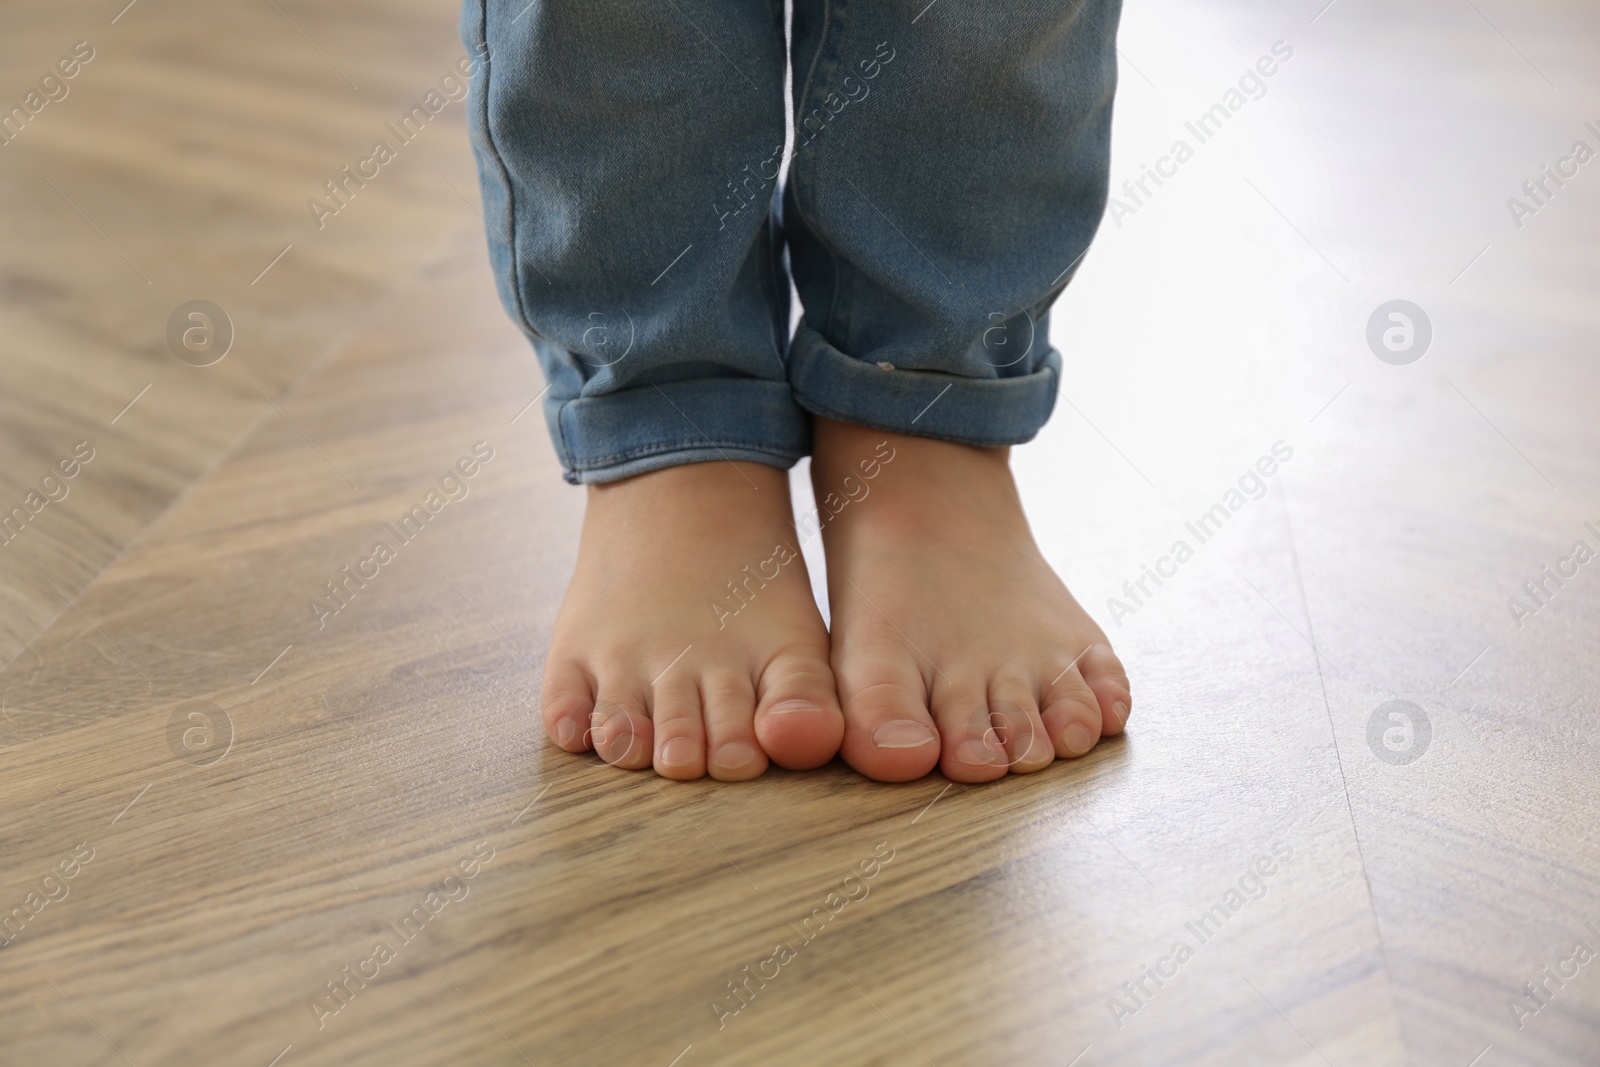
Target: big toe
[[798, 720], [888, 733]]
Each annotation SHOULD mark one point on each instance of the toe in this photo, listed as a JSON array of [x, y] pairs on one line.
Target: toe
[[971, 749], [680, 735], [798, 720], [888, 733], [1014, 718], [1071, 715], [732, 752], [1104, 672], [620, 727], [565, 702]]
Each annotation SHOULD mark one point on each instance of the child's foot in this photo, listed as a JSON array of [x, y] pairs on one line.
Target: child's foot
[[953, 641], [688, 638]]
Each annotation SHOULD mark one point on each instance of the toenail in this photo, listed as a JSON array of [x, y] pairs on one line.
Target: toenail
[[566, 730], [977, 753], [1120, 710], [903, 733], [784, 707], [1077, 738], [736, 754], [679, 752]]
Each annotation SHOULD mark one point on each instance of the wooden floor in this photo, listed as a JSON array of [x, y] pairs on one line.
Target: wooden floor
[[213, 809]]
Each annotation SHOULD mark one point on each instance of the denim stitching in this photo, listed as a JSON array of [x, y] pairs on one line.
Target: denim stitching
[[839, 309], [659, 447], [494, 153], [799, 111], [499, 162], [772, 271], [828, 413]]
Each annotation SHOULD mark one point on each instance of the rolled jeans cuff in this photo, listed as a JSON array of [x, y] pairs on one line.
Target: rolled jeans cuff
[[990, 412], [613, 436]]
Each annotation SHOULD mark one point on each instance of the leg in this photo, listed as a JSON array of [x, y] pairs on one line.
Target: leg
[[621, 151], [949, 172], [627, 155]]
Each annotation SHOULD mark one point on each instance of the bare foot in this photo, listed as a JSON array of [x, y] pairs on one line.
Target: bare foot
[[953, 641], [688, 638]]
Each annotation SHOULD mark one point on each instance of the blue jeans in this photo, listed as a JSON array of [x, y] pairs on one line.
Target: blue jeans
[[948, 170]]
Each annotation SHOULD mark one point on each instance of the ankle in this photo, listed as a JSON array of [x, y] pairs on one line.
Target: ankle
[[692, 497], [919, 476]]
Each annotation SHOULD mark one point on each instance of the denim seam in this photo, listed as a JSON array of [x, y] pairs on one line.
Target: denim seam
[[504, 174], [829, 413], [841, 304], [811, 71], [659, 447], [511, 205], [772, 271], [800, 194], [818, 408], [771, 240]]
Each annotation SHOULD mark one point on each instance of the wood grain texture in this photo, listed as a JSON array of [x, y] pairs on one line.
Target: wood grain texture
[[366, 756]]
